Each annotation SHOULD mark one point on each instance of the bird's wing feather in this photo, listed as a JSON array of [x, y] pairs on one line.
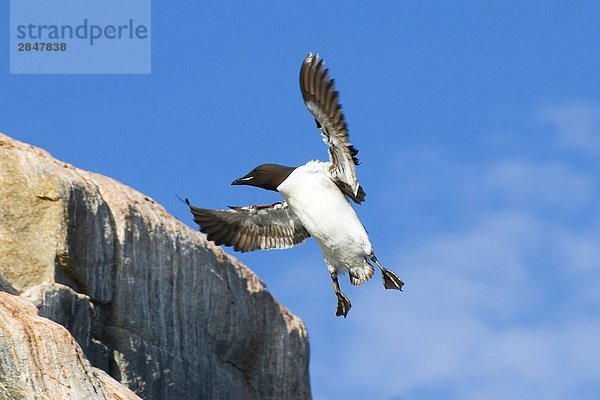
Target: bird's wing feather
[[250, 228], [322, 100]]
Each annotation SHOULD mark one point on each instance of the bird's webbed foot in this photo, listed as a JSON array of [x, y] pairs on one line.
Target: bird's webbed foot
[[343, 305], [391, 280], [389, 277]]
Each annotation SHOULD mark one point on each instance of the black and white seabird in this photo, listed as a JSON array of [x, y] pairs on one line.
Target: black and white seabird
[[317, 199]]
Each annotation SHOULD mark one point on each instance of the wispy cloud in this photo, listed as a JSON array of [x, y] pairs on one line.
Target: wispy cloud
[[482, 318], [577, 124], [541, 184]]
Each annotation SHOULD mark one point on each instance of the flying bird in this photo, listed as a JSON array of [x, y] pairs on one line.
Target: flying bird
[[316, 201]]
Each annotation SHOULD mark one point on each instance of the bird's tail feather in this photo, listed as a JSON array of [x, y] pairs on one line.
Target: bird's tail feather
[[358, 276]]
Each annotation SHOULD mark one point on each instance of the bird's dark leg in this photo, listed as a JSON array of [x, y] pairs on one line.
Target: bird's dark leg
[[389, 277], [344, 304]]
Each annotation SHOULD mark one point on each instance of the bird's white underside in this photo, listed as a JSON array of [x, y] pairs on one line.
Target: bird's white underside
[[330, 219]]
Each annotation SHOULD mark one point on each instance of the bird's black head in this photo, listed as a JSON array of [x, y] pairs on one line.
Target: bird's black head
[[266, 176]]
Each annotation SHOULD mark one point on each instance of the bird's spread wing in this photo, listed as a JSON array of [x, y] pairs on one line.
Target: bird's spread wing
[[322, 100], [261, 227]]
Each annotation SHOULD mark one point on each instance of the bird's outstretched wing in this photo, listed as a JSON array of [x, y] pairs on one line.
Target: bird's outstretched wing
[[260, 227], [322, 100]]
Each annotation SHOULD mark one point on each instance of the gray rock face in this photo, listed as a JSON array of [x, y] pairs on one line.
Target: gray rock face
[[39, 359], [148, 299]]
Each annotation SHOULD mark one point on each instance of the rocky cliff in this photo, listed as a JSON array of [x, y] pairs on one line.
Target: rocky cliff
[[145, 298]]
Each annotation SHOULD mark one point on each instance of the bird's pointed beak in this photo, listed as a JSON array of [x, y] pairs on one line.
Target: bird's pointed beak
[[244, 180]]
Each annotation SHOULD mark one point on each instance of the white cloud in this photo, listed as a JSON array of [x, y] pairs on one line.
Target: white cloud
[[546, 184], [576, 123], [476, 319], [581, 251]]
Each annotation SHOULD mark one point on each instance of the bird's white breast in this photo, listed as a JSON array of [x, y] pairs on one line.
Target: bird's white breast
[[326, 214]]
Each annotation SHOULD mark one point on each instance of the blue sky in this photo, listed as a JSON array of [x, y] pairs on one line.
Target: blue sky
[[479, 131]]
